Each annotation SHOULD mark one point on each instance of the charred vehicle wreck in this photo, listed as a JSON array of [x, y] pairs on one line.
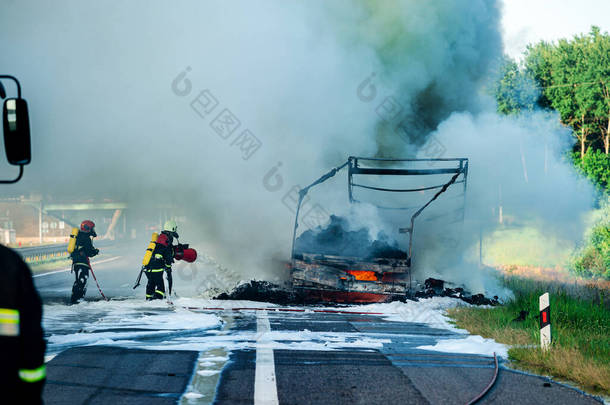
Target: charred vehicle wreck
[[335, 265]]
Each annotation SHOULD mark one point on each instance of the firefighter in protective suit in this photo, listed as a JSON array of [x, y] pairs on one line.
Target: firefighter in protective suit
[[22, 346], [161, 262], [80, 258]]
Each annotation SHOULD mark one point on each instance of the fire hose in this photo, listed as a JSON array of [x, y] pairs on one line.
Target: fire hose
[[139, 278], [96, 283], [491, 383]]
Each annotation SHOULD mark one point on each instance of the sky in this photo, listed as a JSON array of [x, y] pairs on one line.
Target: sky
[[529, 21]]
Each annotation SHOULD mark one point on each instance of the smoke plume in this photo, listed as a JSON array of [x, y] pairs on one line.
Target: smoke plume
[[217, 112]]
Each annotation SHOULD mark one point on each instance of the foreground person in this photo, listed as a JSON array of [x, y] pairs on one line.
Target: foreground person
[[22, 347]]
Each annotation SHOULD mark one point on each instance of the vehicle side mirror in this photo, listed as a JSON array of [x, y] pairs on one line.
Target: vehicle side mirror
[[16, 125]]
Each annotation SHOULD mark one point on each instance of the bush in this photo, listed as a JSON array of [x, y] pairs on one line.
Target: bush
[[595, 165], [593, 260]]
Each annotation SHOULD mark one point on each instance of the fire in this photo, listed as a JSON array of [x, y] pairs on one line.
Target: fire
[[363, 275]]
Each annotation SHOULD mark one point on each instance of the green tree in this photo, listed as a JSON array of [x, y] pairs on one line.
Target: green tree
[[571, 76], [515, 90], [565, 92], [537, 64], [599, 73], [595, 165], [574, 75]]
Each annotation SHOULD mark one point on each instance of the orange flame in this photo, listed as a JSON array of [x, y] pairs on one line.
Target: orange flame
[[363, 275]]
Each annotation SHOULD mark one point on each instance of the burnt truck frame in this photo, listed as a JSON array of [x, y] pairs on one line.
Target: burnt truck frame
[[321, 277]]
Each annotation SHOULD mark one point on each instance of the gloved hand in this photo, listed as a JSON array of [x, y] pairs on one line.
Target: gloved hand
[[96, 252]]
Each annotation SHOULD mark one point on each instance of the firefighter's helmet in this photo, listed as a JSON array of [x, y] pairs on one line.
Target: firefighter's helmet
[[87, 226], [170, 226]]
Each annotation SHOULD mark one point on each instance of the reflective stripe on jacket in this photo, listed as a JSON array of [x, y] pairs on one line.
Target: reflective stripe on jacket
[[9, 322], [22, 344]]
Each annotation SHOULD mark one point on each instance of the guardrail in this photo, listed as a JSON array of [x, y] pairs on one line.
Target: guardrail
[[46, 253]]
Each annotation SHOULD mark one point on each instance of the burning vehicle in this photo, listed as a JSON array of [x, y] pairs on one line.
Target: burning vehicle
[[336, 264]]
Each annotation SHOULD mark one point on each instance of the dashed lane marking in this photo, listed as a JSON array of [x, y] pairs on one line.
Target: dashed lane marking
[[265, 386]]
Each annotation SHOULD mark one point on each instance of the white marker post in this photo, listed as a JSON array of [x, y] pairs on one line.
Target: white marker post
[[545, 321]]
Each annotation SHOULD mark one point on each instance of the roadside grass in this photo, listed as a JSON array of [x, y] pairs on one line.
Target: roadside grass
[[51, 265], [557, 274], [580, 322]]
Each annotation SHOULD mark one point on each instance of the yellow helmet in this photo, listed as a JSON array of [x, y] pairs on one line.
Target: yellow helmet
[[170, 225]]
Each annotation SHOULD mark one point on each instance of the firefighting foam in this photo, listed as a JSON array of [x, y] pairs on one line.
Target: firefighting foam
[[139, 324]]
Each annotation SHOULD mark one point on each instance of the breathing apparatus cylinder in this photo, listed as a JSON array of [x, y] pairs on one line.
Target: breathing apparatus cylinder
[[149, 249], [72, 242]]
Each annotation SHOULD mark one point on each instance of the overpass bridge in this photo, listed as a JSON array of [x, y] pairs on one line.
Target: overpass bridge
[[32, 217]]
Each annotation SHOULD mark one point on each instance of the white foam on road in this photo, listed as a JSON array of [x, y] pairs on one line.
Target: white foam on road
[[155, 325], [214, 359], [469, 345], [240, 341], [130, 322], [265, 386], [428, 311], [192, 395], [433, 312], [203, 304], [207, 373]]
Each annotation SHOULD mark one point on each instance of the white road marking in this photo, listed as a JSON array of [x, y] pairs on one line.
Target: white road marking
[[265, 386], [70, 268]]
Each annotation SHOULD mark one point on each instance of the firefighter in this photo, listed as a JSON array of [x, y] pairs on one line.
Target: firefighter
[[80, 258], [161, 262], [22, 346]]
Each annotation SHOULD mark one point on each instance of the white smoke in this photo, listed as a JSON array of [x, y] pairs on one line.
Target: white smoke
[[519, 164], [113, 116], [432, 62]]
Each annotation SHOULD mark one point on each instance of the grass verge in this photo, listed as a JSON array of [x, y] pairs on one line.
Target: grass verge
[[580, 322], [52, 265]]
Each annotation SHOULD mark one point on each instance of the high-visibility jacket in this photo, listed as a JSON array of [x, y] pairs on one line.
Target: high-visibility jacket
[[163, 255], [22, 346]]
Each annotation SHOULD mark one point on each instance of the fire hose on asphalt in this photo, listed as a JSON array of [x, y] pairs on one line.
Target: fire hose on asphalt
[[488, 387], [96, 283]]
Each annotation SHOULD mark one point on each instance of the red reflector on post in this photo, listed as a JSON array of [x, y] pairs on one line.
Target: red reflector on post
[[544, 320]]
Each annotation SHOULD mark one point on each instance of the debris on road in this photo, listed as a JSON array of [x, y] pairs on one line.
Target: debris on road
[[264, 291]]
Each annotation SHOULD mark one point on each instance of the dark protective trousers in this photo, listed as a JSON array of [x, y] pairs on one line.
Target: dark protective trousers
[[155, 288], [79, 288]]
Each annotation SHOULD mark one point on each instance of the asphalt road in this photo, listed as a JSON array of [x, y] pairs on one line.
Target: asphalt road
[[115, 274], [395, 373], [260, 356]]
